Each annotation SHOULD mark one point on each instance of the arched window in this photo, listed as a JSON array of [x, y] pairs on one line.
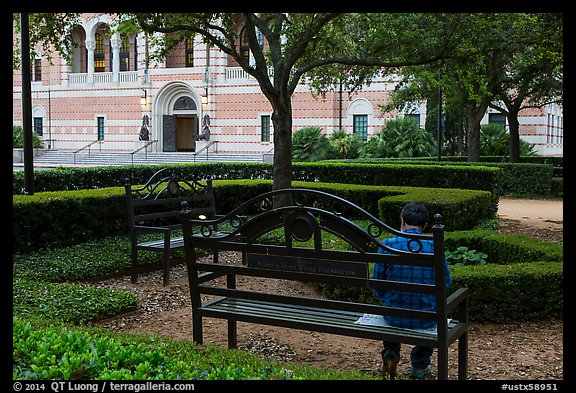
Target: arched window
[[360, 111], [185, 103], [360, 126], [125, 55], [99, 58], [244, 48]]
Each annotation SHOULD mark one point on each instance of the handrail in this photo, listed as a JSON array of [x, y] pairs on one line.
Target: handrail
[[88, 147], [266, 154], [206, 148], [140, 148]]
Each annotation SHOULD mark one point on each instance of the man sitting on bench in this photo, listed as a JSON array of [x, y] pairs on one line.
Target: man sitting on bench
[[414, 218]]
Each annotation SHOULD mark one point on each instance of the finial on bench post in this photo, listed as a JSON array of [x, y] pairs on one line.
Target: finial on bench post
[[438, 226], [437, 219]]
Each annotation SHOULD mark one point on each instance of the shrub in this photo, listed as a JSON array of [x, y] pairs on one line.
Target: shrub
[[514, 292], [18, 138], [400, 137], [464, 256], [81, 261], [346, 146], [505, 249], [495, 141], [309, 144]]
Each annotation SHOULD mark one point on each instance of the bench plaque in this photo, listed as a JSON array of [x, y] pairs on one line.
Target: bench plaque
[[306, 265]]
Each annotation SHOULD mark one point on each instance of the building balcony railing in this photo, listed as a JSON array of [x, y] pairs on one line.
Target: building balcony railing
[[103, 77], [128, 77], [239, 73], [78, 79]]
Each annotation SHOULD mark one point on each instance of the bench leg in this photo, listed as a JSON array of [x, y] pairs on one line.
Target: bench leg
[[232, 325], [443, 362], [463, 356], [134, 259], [232, 335], [197, 329], [166, 262]]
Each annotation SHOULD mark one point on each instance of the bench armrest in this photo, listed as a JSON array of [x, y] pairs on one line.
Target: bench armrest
[[456, 298], [149, 229]]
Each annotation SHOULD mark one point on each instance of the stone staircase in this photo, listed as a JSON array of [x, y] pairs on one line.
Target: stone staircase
[[56, 158]]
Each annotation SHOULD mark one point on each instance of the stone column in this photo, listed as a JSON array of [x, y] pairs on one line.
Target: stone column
[[116, 44], [90, 46]]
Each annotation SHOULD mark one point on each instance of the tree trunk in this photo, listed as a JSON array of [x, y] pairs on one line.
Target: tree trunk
[[282, 170], [282, 121], [514, 136], [473, 139], [474, 114], [280, 99]]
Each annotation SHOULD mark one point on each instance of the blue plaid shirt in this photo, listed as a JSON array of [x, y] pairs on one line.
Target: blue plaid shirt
[[407, 273]]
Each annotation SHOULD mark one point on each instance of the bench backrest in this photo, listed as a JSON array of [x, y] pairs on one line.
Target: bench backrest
[[158, 202], [289, 241]]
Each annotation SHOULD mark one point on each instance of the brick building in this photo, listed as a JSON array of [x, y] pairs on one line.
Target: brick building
[[108, 93]]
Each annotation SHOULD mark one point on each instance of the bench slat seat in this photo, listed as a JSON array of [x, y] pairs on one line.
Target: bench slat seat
[[311, 318], [158, 245]]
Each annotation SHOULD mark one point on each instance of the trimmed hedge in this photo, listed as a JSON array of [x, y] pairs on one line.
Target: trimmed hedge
[[531, 177], [512, 292], [555, 161], [524, 179], [55, 219], [426, 175], [523, 279], [82, 261], [505, 249], [460, 209]]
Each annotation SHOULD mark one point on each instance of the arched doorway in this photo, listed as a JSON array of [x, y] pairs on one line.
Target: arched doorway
[[179, 129], [178, 118]]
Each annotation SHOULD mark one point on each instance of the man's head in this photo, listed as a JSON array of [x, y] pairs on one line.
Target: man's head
[[415, 214]]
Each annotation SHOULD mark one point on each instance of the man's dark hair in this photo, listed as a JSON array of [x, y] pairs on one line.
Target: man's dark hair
[[415, 213]]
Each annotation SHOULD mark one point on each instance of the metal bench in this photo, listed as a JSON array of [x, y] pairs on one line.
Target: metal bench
[[290, 242], [154, 208]]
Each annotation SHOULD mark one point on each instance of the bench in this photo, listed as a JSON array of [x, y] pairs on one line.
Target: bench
[[154, 208], [289, 241]]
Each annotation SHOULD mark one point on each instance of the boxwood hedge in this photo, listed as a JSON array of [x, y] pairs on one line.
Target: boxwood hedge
[[475, 177], [59, 218]]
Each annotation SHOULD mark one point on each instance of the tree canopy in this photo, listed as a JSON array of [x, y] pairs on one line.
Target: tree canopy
[[514, 61]]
